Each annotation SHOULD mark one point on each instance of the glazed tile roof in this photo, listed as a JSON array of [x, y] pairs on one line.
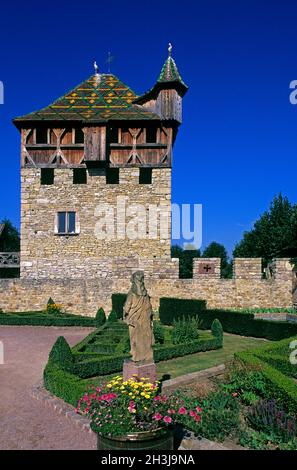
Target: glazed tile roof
[[170, 73], [169, 76], [100, 98]]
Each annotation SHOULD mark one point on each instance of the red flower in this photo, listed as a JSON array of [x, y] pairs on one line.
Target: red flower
[[167, 419], [157, 416], [198, 409], [157, 398], [182, 411], [192, 413], [197, 418]]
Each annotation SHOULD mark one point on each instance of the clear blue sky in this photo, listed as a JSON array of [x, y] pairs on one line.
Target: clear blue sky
[[237, 146]]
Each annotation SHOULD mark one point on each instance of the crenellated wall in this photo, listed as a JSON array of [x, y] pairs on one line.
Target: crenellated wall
[[84, 296]]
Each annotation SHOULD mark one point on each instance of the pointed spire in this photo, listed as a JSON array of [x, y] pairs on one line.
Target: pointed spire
[[169, 72]]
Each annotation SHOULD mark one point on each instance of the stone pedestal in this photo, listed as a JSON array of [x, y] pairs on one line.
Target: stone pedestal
[[138, 370]]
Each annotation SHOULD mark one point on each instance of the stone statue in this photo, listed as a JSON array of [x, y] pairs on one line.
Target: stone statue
[[138, 315]]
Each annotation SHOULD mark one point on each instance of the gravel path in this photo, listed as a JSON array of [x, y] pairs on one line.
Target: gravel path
[[26, 423]]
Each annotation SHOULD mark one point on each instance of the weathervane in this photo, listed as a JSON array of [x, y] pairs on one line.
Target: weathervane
[[109, 60], [96, 68], [170, 49]]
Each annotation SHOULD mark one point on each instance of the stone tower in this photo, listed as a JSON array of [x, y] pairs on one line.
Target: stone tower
[[87, 162]]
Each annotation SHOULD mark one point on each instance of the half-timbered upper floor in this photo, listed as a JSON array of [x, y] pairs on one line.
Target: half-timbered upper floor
[[103, 122]]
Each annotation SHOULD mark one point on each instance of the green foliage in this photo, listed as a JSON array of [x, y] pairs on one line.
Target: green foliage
[[112, 317], [244, 324], [159, 332], [61, 354], [42, 319], [9, 241], [273, 234], [220, 416], [100, 317], [100, 365], [267, 416], [167, 352], [216, 250], [171, 309], [217, 329], [185, 260], [118, 301], [50, 301], [185, 329]]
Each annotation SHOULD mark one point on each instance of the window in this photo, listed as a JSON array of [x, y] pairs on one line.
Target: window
[[66, 223], [41, 136], [145, 176], [47, 176], [79, 136], [79, 176], [112, 176], [151, 135], [114, 135]]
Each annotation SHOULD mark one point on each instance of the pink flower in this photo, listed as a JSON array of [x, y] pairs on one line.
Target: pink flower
[[192, 413], [164, 398], [198, 409], [234, 394], [182, 411], [171, 411], [197, 418], [85, 397], [98, 389], [167, 419], [157, 398], [157, 416]]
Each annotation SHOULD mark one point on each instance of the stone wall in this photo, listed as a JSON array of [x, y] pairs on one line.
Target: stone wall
[[84, 296], [47, 255]]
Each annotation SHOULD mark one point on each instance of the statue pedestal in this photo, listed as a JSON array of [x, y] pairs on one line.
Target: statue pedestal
[[139, 370]]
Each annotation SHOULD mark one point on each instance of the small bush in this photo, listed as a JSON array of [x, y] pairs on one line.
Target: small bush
[[171, 309], [100, 317], [61, 354], [159, 332], [185, 330], [50, 301], [112, 317], [118, 301], [217, 329], [269, 417]]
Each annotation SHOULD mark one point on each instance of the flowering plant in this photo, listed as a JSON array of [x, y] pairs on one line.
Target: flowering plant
[[127, 406]]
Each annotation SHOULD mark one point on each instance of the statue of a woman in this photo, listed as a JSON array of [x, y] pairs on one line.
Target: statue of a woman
[[138, 315]]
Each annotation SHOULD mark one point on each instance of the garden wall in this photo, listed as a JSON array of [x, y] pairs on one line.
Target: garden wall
[[84, 296]]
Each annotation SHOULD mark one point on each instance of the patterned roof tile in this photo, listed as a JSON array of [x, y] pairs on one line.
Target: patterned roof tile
[[99, 98]]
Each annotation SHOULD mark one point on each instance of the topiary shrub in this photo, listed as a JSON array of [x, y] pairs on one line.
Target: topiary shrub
[[159, 332], [50, 301], [118, 301], [61, 354], [100, 317], [217, 329], [112, 317], [185, 330]]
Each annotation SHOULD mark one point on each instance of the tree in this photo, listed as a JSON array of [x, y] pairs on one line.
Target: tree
[[10, 238], [216, 250], [9, 241], [274, 234], [185, 260]]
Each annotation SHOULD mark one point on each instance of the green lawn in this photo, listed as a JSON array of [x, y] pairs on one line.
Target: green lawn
[[204, 360]]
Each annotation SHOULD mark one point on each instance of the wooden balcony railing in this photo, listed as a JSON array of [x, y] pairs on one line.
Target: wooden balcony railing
[[9, 260]]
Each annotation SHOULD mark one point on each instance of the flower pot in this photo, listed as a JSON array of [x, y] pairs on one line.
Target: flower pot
[[160, 439]]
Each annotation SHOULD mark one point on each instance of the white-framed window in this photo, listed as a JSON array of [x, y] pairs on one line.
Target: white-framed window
[[67, 223]]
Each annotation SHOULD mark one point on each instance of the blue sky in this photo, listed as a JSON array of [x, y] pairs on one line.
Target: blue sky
[[237, 146]]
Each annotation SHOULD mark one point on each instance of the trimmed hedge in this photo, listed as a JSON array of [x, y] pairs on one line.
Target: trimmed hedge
[[279, 386], [244, 324], [103, 365], [118, 300], [173, 309], [39, 319], [61, 354], [164, 353]]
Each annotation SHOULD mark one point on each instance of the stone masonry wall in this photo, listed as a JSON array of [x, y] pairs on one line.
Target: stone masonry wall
[[47, 255], [84, 296]]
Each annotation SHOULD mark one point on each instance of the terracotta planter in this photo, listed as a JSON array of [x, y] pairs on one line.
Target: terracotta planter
[[160, 439]]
